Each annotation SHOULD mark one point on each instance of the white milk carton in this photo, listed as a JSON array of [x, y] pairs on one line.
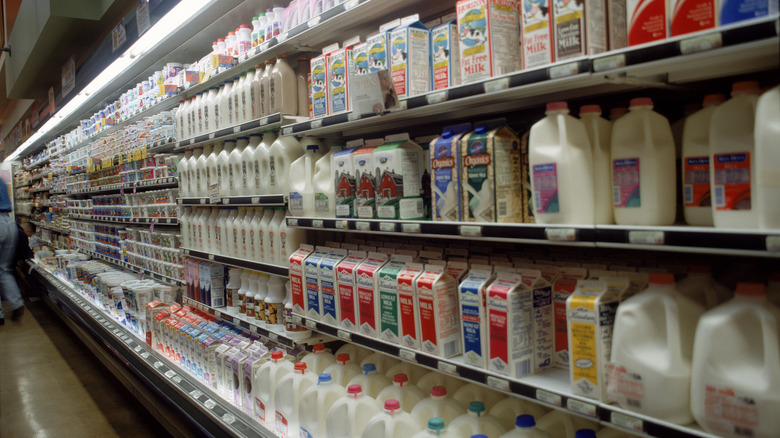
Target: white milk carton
[[297, 284], [347, 310], [328, 285], [365, 181], [509, 307], [580, 28], [368, 302], [488, 38], [646, 20], [473, 313], [340, 74], [590, 312], [343, 169], [563, 287], [360, 59], [407, 298], [398, 188], [618, 29], [541, 316], [410, 63], [690, 15], [445, 56], [377, 48], [537, 27], [212, 284], [311, 275], [445, 173], [389, 320], [437, 301], [319, 85]]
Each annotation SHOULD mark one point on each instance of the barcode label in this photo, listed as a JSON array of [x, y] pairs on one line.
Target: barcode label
[[615, 195], [523, 368], [503, 208], [451, 348], [720, 199], [688, 194]]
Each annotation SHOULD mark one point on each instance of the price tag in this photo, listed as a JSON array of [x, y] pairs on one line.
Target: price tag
[[409, 355], [236, 129], [210, 404], [646, 237], [311, 324], [549, 397], [212, 135], [282, 37], [345, 335], [217, 313], [158, 364], [581, 407], [292, 222], [351, 4], [176, 379], [195, 393], [387, 226], [137, 349], [287, 131], [263, 121], [203, 200], [773, 243], [498, 383], [470, 230], [562, 71], [363, 226], [438, 97], [229, 418], [314, 21], [352, 117], [316, 124], [317, 223], [211, 256], [297, 319], [254, 328], [609, 62], [170, 373], [561, 234], [496, 85], [626, 421], [701, 43], [446, 367], [342, 225], [410, 228], [236, 321], [273, 337]]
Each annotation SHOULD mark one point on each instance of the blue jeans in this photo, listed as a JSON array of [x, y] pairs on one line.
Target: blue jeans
[[9, 290]]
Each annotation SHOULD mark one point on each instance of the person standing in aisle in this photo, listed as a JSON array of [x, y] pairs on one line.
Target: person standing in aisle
[[9, 290]]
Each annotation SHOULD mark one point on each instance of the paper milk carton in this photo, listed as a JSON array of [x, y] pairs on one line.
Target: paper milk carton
[[367, 277], [407, 298], [365, 180], [347, 310], [646, 20], [580, 28], [542, 317], [297, 279], [489, 38], [328, 282], [340, 73], [590, 311], [445, 56], [212, 284], [437, 301], [389, 320], [445, 173], [236, 377], [509, 310], [563, 287], [311, 275], [618, 29], [398, 188], [319, 85], [343, 167], [491, 174], [473, 314], [537, 33], [733, 11], [410, 63], [691, 15]]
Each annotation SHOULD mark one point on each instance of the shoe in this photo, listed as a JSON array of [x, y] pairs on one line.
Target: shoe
[[16, 315]]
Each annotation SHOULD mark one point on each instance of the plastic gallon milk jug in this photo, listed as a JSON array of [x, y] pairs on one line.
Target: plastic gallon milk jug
[[319, 359], [507, 409], [381, 361], [561, 164], [264, 386], [324, 188], [702, 288], [643, 167], [473, 392], [559, 424], [650, 368], [413, 372], [735, 387], [403, 391], [370, 380], [391, 423], [732, 154], [434, 427], [767, 132], [476, 421], [435, 378], [356, 353], [289, 392], [236, 169], [697, 198], [600, 134], [343, 370], [315, 404], [283, 152], [437, 405], [525, 427], [223, 169], [350, 414], [262, 164], [301, 184]]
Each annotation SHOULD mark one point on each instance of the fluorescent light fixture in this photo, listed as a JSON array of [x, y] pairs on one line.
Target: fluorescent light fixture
[[172, 22]]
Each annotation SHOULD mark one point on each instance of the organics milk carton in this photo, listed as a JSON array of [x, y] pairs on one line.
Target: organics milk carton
[[491, 174], [580, 28], [319, 86], [410, 63], [398, 189], [590, 311], [297, 284], [368, 302], [311, 275], [437, 301], [488, 38], [691, 15], [563, 287], [541, 317], [509, 310], [473, 314], [347, 290], [389, 321], [343, 167], [445, 173], [537, 33], [646, 20], [409, 317], [340, 74], [365, 180], [328, 282], [445, 56]]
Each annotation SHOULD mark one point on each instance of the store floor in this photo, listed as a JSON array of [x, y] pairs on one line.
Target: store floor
[[52, 385]]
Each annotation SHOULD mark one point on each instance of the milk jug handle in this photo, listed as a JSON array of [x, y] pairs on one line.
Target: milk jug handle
[[673, 330]]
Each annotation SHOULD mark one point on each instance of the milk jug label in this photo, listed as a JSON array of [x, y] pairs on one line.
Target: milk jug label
[[546, 188], [305, 433], [624, 386], [732, 181], [730, 413], [295, 202], [696, 183], [537, 33], [625, 183], [281, 424], [260, 409], [569, 32], [320, 202]]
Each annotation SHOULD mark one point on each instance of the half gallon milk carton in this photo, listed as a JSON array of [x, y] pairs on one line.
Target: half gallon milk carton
[[319, 83], [590, 311], [347, 309], [328, 282], [399, 169], [377, 47], [732, 11], [537, 33], [541, 317], [437, 300], [407, 299], [509, 307], [389, 321], [445, 56], [365, 179], [563, 287], [473, 314], [340, 73], [311, 275], [445, 173], [491, 174], [488, 38], [367, 277], [344, 174], [691, 15], [360, 59], [410, 62], [580, 28], [297, 284], [646, 20]]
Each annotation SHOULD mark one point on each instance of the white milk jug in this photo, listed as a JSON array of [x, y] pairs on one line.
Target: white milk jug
[[600, 134], [223, 162], [561, 166], [288, 395], [476, 421], [356, 353], [434, 378], [200, 169], [735, 388], [192, 172], [473, 392], [525, 427], [371, 381], [403, 391], [248, 172], [301, 200], [702, 288], [391, 423], [348, 417], [319, 359], [343, 370], [510, 407], [262, 165], [650, 368], [264, 386], [643, 167], [413, 372], [183, 174], [382, 361], [767, 133], [437, 405], [325, 185], [315, 404], [283, 152], [236, 169], [433, 428]]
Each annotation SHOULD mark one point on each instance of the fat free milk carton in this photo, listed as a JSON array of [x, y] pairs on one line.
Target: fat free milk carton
[[541, 317], [473, 314], [389, 320], [311, 275], [410, 64], [491, 174], [509, 310], [489, 38], [319, 86], [343, 166], [399, 169], [537, 33], [580, 28], [445, 173], [563, 287], [347, 312], [407, 298], [437, 301], [646, 20], [328, 285], [340, 74], [367, 277], [445, 56], [297, 279]]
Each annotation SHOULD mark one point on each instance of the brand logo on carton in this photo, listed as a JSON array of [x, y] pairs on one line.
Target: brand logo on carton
[[338, 73], [477, 160], [361, 163], [383, 160], [377, 58], [441, 49], [582, 315], [472, 30], [318, 77], [441, 163]]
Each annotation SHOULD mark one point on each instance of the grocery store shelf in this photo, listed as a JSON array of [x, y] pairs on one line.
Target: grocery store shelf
[[274, 121], [246, 201], [58, 192], [127, 220], [40, 190], [268, 268], [138, 186], [46, 226], [196, 402], [130, 267]]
